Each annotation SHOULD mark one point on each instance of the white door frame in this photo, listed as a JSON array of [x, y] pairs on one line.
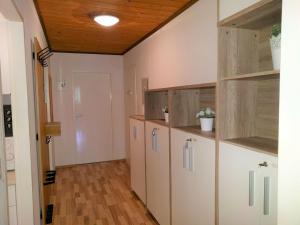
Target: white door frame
[[3, 181], [27, 197]]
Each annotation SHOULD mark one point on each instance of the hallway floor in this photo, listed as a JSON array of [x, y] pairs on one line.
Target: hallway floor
[[97, 194]]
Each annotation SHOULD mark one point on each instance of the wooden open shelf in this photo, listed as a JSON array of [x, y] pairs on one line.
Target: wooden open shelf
[[256, 143], [183, 102], [259, 75], [262, 14], [160, 122], [155, 101], [186, 103], [197, 131]]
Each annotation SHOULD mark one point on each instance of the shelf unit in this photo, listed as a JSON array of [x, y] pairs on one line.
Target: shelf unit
[[183, 102], [248, 84]]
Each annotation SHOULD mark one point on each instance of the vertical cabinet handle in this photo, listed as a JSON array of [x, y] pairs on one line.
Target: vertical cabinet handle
[[266, 195], [188, 157], [184, 155], [251, 188], [191, 159], [134, 132], [154, 140]]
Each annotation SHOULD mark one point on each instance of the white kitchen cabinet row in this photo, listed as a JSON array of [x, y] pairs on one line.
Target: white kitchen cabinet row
[[173, 173]]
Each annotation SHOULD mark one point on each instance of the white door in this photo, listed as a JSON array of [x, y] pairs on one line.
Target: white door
[[158, 172], [193, 179], [137, 159], [3, 183], [93, 117]]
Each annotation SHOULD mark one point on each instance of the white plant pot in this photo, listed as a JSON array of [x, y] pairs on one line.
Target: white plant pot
[[275, 43], [167, 117], [207, 124]]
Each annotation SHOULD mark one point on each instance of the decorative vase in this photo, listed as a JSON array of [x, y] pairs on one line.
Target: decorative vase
[[275, 43], [207, 124], [167, 117]]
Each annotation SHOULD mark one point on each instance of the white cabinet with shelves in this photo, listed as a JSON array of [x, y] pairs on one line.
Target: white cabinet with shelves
[[193, 179], [137, 158], [247, 187], [158, 171]]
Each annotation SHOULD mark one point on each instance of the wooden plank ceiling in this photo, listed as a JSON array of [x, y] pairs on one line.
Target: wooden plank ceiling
[[69, 24]]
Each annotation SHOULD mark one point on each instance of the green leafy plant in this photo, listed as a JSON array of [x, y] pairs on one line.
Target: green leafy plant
[[276, 30], [206, 113], [165, 109]]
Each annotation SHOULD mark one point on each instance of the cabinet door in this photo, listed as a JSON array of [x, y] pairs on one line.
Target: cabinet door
[[269, 191], [137, 159], [193, 179], [229, 7], [239, 182], [158, 172]]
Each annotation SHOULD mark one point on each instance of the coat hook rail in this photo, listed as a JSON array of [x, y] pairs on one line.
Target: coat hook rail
[[43, 55]]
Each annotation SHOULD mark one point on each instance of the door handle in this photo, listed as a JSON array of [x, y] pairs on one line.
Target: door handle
[[266, 196], [251, 188]]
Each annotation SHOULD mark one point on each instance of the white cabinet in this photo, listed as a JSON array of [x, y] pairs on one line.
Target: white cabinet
[[158, 172], [229, 7], [137, 158], [12, 206], [247, 187], [193, 179]]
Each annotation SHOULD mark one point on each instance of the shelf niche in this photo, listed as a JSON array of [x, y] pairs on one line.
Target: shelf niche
[[244, 40], [155, 101], [186, 103], [249, 109]]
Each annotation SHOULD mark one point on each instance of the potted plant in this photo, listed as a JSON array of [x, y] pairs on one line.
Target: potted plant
[[206, 116], [166, 113], [275, 43]]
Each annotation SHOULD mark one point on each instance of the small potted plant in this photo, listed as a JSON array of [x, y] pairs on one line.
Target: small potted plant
[[166, 113], [206, 116], [275, 43]]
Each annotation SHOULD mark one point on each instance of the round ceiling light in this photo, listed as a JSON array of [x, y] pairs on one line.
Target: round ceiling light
[[106, 20]]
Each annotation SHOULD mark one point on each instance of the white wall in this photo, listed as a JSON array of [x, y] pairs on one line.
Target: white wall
[[183, 52], [62, 67], [289, 120], [229, 7], [25, 146]]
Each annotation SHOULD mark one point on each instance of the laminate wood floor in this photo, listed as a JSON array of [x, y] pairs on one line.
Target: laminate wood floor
[[97, 194]]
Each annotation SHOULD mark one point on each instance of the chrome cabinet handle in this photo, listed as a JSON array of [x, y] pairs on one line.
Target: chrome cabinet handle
[[266, 195], [184, 156], [251, 188], [154, 140], [191, 159]]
